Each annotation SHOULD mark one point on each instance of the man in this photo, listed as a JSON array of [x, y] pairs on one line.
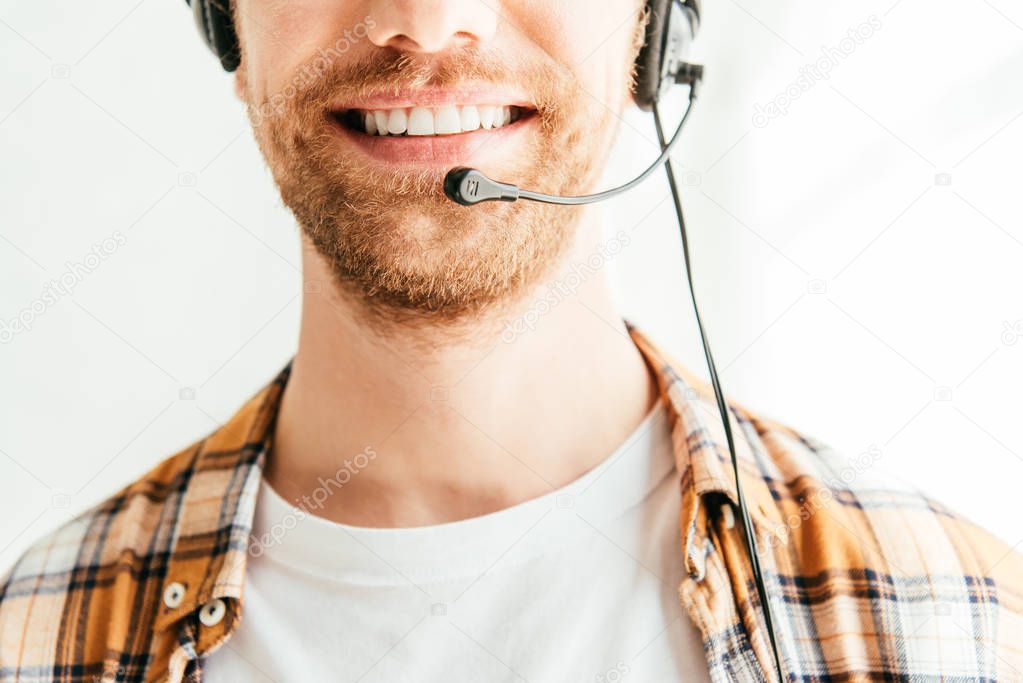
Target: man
[[434, 491]]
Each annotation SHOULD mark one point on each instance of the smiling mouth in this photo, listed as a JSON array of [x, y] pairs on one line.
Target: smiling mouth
[[430, 121]]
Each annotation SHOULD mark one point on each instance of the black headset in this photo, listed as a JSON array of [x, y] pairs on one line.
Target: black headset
[[670, 30]]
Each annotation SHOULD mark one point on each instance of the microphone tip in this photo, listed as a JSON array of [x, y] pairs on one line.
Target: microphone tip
[[453, 185], [468, 187]]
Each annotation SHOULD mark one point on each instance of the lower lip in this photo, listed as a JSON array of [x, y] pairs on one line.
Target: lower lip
[[463, 149]]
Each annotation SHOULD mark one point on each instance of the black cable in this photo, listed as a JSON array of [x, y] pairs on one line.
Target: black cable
[[747, 525], [469, 186], [607, 194]]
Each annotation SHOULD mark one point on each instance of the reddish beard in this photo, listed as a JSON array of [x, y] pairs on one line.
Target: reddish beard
[[390, 237]]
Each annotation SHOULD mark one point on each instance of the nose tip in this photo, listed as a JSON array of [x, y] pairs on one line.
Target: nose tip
[[430, 26]]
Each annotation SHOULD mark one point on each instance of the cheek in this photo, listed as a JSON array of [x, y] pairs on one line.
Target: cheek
[[598, 46], [279, 37]]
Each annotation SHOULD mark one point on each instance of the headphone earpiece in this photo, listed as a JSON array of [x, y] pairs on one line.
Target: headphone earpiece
[[670, 29], [216, 26]]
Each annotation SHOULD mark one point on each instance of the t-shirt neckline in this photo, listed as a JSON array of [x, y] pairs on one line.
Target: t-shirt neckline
[[290, 536]]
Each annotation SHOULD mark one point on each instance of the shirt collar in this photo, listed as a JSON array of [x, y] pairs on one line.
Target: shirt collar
[[701, 454], [217, 503], [219, 488]]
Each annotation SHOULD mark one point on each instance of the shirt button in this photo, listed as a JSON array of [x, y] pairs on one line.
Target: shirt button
[[728, 514], [173, 594], [212, 613]]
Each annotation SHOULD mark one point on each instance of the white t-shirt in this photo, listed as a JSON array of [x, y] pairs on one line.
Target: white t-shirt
[[580, 584]]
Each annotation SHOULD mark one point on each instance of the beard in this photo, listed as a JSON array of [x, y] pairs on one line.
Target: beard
[[390, 237]]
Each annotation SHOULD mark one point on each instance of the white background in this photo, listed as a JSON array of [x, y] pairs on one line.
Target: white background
[[848, 291]]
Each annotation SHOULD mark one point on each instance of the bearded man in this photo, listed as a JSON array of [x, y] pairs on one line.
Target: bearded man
[[420, 496]]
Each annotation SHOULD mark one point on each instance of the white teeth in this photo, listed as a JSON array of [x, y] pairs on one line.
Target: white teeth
[[446, 120], [397, 121], [487, 116], [470, 118], [420, 122]]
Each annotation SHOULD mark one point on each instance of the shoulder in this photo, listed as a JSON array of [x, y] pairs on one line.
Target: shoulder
[[890, 517], [87, 600], [859, 557], [932, 591], [78, 584]]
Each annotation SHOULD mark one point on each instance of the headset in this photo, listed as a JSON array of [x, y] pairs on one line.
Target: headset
[[670, 30]]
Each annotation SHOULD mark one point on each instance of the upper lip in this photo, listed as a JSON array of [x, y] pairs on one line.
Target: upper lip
[[431, 96]]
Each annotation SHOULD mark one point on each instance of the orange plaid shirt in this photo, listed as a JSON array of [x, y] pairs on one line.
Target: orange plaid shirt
[[867, 581]]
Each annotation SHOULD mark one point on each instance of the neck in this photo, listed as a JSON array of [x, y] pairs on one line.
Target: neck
[[430, 425]]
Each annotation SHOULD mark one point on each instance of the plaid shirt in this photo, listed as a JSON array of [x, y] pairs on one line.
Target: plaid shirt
[[868, 582]]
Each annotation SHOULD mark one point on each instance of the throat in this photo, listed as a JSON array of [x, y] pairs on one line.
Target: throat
[[420, 431]]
